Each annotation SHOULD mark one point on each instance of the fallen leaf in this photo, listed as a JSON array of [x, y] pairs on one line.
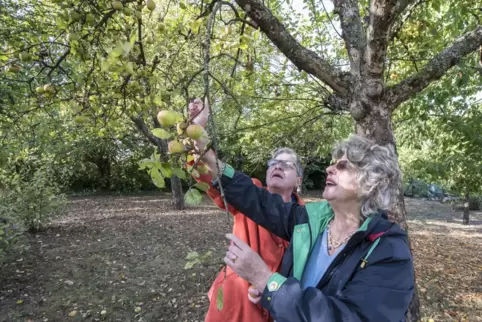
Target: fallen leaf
[[73, 313], [219, 299]]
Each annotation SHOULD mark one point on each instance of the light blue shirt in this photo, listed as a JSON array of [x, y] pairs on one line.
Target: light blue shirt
[[318, 262]]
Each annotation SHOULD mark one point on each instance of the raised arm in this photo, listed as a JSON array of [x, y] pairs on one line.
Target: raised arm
[[266, 209], [214, 193]]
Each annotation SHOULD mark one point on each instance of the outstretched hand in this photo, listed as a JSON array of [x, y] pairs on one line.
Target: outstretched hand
[[199, 112]]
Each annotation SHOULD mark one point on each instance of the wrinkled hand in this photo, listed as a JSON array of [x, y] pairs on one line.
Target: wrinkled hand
[[199, 112], [247, 263]]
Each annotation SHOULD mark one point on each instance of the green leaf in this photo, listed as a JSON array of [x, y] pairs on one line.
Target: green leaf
[[104, 65], [157, 178], [243, 46], [179, 172], [158, 100], [203, 186], [195, 25], [191, 264], [193, 197], [192, 255], [207, 254], [219, 299], [161, 133], [145, 163], [165, 169]]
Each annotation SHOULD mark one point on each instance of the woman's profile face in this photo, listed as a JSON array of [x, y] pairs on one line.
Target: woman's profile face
[[341, 181]]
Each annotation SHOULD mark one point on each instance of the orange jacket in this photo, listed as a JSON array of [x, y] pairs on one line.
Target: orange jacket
[[236, 305]]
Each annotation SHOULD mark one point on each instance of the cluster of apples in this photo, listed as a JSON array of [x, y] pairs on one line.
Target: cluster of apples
[[186, 131], [119, 6], [23, 56], [47, 89]]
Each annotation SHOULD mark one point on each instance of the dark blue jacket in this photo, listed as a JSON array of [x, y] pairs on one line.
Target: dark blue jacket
[[371, 279]]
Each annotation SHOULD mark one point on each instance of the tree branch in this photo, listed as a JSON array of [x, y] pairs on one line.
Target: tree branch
[[61, 59], [303, 58], [436, 67], [142, 127], [353, 32], [382, 13]]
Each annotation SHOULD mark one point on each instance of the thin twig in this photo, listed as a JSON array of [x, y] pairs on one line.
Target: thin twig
[[207, 48], [328, 15]]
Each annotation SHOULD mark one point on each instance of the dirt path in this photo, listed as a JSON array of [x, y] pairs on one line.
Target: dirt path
[[121, 253]]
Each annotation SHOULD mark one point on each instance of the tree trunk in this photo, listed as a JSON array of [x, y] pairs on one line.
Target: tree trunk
[[104, 167], [377, 126], [177, 195], [176, 185], [465, 219]]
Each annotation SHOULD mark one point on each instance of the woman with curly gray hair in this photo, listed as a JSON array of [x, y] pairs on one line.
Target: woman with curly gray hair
[[345, 261]]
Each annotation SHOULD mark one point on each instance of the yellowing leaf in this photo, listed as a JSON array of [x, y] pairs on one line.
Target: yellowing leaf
[[195, 25], [243, 46], [137, 309], [202, 169], [73, 313], [20, 302], [203, 186]]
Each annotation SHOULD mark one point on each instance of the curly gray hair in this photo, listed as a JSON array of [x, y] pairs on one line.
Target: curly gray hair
[[378, 172]]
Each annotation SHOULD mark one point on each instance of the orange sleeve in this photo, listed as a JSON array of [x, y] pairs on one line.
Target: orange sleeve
[[214, 193]]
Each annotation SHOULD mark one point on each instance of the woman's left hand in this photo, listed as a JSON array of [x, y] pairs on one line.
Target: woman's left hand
[[247, 263]]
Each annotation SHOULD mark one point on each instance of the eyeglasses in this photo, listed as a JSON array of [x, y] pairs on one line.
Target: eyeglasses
[[284, 165], [342, 165]]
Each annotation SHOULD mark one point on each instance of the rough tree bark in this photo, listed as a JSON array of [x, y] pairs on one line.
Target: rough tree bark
[[176, 186], [362, 91]]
